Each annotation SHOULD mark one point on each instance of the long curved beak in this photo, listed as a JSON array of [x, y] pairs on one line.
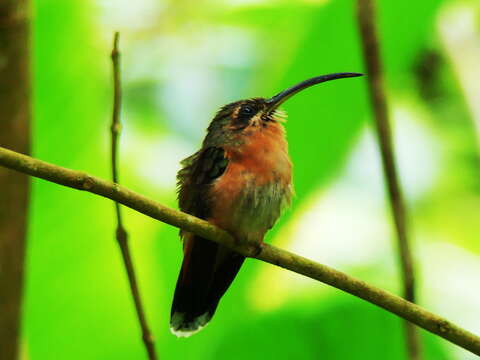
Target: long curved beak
[[280, 98]]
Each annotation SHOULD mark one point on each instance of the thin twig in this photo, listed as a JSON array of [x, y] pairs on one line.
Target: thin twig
[[268, 253], [366, 20], [121, 233]]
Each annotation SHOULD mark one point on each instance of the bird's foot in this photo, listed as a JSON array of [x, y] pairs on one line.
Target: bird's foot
[[255, 248]]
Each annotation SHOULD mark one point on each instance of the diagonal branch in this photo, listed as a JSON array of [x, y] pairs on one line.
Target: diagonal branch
[[121, 233], [371, 53], [268, 253]]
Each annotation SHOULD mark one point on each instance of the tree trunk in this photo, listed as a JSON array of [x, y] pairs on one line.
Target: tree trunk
[[15, 113]]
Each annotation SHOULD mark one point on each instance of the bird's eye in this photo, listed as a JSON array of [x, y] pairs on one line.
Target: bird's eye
[[246, 110], [244, 115]]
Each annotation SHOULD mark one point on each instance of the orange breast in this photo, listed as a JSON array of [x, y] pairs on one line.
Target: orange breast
[[260, 162]]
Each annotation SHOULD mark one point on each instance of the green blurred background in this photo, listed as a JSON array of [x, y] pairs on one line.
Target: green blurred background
[[181, 61]]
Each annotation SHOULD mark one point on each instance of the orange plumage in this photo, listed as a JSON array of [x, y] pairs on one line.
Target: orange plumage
[[260, 161]]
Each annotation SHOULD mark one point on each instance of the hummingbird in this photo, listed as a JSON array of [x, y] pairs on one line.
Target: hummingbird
[[240, 180]]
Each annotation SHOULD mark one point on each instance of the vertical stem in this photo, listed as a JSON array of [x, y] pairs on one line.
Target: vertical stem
[[371, 53], [121, 234], [15, 117]]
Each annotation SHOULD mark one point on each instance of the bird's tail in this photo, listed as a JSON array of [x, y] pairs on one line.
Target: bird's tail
[[207, 271]]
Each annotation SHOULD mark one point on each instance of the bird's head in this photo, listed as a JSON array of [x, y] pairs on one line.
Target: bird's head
[[239, 117]]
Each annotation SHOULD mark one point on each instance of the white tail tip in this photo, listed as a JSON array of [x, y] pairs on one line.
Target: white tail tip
[[180, 328]]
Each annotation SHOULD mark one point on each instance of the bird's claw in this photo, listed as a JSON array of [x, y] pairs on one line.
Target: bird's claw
[[255, 248]]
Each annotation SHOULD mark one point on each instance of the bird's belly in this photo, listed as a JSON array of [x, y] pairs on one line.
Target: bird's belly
[[247, 204]]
